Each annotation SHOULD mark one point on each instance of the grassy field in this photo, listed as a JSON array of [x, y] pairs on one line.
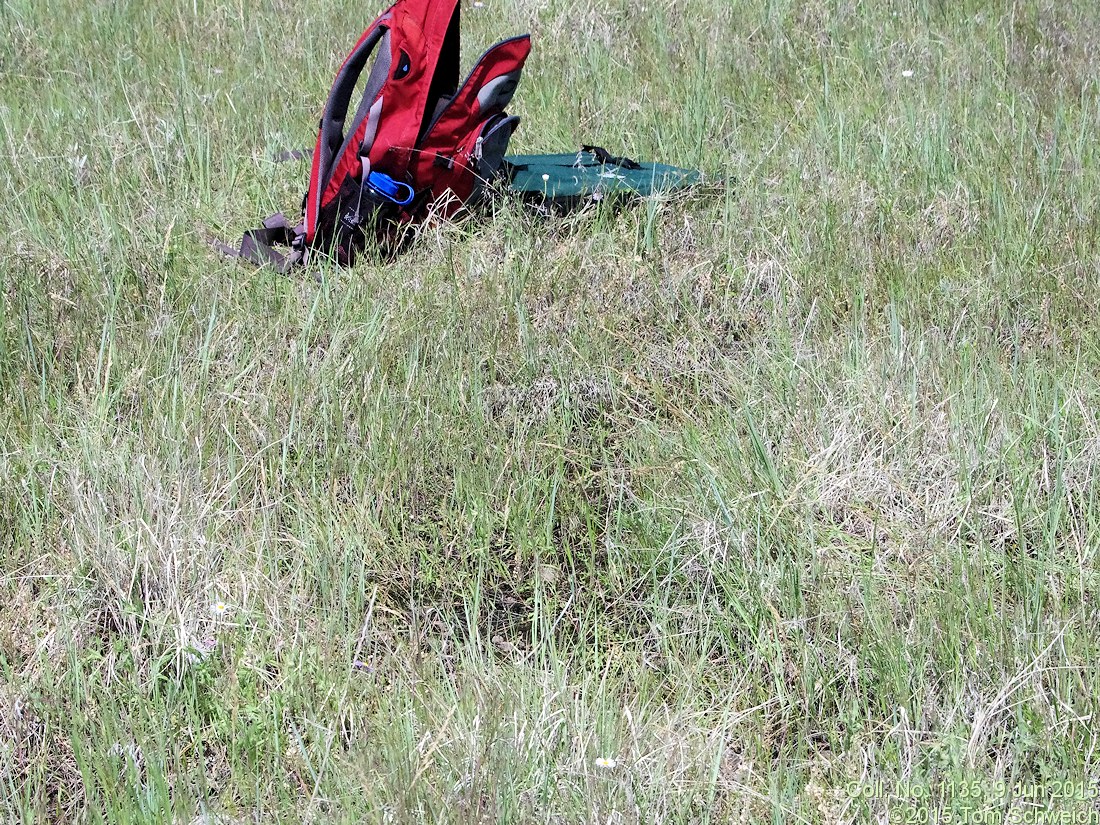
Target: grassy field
[[773, 502]]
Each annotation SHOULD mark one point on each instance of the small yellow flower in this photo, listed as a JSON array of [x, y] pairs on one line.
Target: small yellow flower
[[606, 762]]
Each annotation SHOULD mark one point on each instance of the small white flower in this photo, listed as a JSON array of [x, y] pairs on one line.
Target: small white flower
[[478, 4], [546, 177], [606, 762], [219, 608], [907, 73]]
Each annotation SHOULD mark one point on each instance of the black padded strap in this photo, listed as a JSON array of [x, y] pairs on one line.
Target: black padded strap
[[258, 246], [332, 138], [608, 159]]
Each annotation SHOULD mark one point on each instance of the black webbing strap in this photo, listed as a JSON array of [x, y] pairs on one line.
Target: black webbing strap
[[608, 159], [258, 245], [293, 154]]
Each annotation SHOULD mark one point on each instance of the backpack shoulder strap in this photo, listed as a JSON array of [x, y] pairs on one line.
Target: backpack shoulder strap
[[330, 137]]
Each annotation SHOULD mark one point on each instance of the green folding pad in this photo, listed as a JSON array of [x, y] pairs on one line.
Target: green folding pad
[[591, 174]]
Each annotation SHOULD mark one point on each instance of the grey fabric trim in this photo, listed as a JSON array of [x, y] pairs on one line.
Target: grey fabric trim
[[443, 102], [378, 74], [498, 93], [372, 127], [336, 109]]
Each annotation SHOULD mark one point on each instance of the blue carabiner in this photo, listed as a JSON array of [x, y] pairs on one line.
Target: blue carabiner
[[390, 189]]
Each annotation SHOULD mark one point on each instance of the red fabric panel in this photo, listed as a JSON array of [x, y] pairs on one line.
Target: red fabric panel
[[418, 30], [452, 137]]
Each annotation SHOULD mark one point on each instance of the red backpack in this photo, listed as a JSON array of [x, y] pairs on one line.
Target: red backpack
[[418, 141]]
